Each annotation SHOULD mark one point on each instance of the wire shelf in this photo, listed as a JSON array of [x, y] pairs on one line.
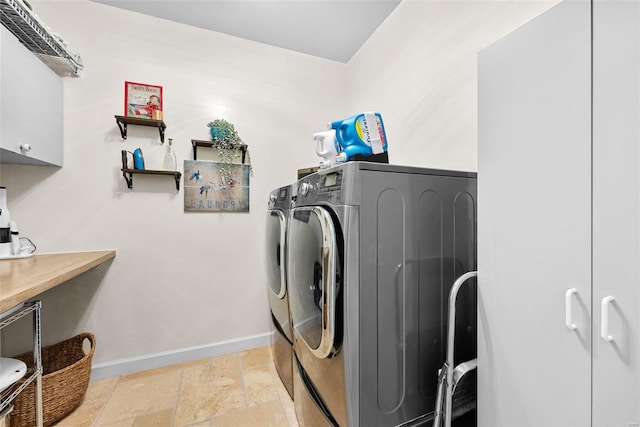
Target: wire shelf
[[17, 17]]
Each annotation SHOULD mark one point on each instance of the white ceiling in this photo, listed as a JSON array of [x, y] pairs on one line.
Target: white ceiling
[[332, 29]]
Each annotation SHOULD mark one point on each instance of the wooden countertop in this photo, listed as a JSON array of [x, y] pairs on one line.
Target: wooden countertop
[[22, 279]]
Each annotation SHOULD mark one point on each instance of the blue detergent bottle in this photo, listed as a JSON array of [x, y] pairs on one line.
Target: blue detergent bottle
[[362, 133]]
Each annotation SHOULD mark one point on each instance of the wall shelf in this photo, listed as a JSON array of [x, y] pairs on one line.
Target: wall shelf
[[123, 121], [200, 143], [127, 173]]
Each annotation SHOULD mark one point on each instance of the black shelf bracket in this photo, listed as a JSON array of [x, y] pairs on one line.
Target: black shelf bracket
[[200, 143], [125, 167], [123, 121], [123, 128], [128, 176]]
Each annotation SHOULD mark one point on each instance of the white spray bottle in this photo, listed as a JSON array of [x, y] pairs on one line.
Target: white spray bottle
[[15, 238], [326, 147], [5, 230]]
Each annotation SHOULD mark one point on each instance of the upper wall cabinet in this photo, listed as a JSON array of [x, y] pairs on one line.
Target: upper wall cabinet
[[30, 107]]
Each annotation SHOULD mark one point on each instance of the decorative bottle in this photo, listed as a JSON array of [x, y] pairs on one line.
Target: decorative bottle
[[170, 163]]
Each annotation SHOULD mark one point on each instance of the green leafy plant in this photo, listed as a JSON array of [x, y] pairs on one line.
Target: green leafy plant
[[227, 140], [224, 132]]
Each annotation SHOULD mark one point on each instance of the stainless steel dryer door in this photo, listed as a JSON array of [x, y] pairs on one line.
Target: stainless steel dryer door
[[276, 274], [313, 265]]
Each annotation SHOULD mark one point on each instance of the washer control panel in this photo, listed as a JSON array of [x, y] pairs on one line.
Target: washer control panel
[[279, 198]]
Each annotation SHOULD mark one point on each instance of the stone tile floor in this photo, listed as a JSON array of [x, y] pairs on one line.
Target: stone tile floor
[[237, 389]]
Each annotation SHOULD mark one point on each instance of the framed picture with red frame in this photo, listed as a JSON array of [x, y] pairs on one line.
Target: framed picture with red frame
[[142, 100]]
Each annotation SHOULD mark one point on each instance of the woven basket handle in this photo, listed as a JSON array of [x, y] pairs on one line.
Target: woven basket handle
[[92, 340]]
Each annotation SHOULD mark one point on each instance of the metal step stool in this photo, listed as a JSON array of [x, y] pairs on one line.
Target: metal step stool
[[456, 386]]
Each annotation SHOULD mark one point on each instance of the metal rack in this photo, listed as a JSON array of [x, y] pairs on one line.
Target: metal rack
[[18, 18], [35, 373]]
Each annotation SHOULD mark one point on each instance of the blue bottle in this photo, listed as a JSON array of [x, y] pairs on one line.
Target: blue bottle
[[360, 134], [138, 160]]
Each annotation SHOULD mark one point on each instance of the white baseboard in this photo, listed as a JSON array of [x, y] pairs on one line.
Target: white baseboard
[[158, 360]]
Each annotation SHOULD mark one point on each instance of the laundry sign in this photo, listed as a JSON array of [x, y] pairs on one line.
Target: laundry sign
[[215, 186]]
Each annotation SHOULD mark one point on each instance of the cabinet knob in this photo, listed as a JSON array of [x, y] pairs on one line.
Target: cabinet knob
[[25, 147]]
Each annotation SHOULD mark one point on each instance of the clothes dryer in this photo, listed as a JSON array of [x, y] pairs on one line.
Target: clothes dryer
[[282, 347], [373, 252]]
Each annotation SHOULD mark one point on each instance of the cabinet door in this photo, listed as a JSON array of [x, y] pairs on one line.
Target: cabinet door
[[534, 235], [30, 106], [616, 211]]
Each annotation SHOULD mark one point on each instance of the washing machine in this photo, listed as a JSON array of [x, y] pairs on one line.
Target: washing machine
[[282, 336], [373, 252]]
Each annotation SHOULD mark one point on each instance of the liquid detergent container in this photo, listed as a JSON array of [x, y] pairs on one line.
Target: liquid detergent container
[[326, 147], [360, 134]]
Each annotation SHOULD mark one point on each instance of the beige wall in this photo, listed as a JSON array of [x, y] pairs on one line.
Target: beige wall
[[180, 279], [185, 280]]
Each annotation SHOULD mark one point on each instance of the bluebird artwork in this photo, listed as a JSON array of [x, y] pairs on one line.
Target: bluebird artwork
[[205, 189], [216, 187]]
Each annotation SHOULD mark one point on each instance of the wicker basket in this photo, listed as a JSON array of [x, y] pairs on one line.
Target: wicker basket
[[65, 379], [5, 416]]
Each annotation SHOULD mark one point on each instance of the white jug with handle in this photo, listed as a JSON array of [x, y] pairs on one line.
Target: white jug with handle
[[326, 147]]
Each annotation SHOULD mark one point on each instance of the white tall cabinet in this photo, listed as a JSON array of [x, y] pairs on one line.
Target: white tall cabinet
[[616, 211], [559, 220]]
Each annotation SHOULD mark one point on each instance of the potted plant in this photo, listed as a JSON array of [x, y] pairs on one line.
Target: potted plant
[[224, 133], [226, 140]]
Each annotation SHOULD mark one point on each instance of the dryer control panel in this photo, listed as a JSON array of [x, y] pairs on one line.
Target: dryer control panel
[[320, 187], [330, 182]]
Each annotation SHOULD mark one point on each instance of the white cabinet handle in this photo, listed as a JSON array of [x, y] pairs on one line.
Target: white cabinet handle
[[604, 318], [567, 309]]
